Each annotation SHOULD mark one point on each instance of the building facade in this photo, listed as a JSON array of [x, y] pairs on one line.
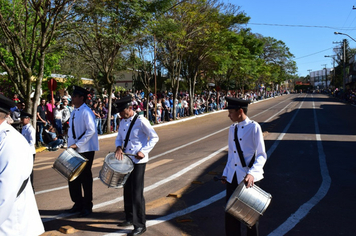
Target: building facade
[[321, 79]]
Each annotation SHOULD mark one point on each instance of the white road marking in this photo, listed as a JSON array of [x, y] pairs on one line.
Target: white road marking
[[157, 163], [304, 209], [151, 187], [185, 211], [204, 203], [151, 158], [164, 153], [281, 230]]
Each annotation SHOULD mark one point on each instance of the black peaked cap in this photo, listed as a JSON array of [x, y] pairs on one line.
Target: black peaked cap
[[80, 91], [236, 103], [6, 104], [25, 115], [123, 103]]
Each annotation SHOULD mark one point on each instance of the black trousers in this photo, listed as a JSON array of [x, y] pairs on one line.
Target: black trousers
[[134, 201], [233, 226], [85, 180]]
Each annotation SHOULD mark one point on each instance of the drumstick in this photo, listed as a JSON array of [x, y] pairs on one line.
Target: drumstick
[[216, 178], [128, 154]]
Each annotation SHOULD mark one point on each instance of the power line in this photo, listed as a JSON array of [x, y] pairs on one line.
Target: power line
[[314, 53], [305, 26]]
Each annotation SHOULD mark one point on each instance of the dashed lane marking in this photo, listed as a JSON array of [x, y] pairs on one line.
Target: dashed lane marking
[[157, 163]]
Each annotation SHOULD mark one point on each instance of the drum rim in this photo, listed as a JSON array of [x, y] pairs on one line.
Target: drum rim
[[78, 168], [78, 171], [125, 156]]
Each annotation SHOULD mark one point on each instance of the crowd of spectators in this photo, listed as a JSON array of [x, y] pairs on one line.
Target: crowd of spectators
[[53, 118], [348, 96]]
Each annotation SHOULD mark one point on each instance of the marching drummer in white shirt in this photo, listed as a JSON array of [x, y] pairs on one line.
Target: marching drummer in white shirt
[[247, 136], [140, 141], [30, 135], [83, 137], [18, 208]]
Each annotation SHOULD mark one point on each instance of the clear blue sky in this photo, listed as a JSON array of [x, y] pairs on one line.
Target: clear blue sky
[[306, 27]]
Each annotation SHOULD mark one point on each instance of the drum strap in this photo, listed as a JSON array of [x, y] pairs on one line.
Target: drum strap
[[73, 130], [22, 187], [129, 131], [241, 155]]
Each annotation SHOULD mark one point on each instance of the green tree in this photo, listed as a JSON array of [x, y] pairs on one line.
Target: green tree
[[145, 68], [105, 30], [279, 61], [237, 65], [209, 26], [28, 29]]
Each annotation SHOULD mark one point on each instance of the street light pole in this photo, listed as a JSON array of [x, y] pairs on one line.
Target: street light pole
[[346, 35], [344, 57], [333, 78], [344, 65], [326, 75]]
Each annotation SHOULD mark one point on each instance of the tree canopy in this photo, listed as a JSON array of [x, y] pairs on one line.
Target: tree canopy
[[196, 42]]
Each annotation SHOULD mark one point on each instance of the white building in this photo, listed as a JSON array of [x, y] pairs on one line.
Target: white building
[[321, 78]]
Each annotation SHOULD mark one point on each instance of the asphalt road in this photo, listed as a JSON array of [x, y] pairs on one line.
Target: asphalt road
[[310, 171]]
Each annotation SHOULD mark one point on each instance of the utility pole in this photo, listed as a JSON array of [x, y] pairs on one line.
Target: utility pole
[[344, 65], [326, 75], [310, 76], [333, 77]]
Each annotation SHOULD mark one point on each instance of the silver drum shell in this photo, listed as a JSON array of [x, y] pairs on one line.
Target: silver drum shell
[[248, 204], [70, 164], [114, 173]]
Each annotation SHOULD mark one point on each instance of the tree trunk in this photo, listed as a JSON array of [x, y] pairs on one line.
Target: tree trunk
[[108, 120]]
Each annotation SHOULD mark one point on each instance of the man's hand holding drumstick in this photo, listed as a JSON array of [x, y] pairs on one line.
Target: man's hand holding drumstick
[[119, 154]]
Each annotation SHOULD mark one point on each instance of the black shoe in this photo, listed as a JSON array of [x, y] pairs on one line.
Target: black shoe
[[85, 212], [75, 209], [125, 223], [138, 231]]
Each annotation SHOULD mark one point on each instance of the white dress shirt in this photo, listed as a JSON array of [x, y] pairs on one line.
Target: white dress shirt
[[18, 215], [30, 135], [142, 137], [84, 123], [251, 141]]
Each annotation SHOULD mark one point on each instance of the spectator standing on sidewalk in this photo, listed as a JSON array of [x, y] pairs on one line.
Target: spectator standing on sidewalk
[[96, 112], [41, 119], [57, 114], [50, 106], [103, 117], [65, 120]]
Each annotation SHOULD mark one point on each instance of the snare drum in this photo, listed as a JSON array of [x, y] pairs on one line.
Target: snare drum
[[114, 172], [70, 164], [248, 204]]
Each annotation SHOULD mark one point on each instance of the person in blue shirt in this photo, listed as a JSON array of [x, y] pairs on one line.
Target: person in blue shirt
[[55, 142], [30, 135]]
